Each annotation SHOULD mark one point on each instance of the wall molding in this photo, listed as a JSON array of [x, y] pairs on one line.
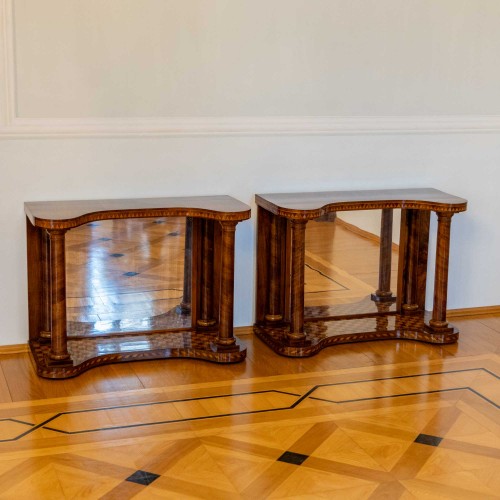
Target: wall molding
[[267, 125], [12, 126]]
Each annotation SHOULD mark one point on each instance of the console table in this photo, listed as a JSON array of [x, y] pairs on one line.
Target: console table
[[289, 329], [208, 284]]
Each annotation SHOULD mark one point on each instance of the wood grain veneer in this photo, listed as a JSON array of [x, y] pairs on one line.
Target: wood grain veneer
[[281, 321], [208, 284]]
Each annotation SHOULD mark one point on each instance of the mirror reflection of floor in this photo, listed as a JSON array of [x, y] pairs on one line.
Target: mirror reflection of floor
[[127, 275], [342, 264]]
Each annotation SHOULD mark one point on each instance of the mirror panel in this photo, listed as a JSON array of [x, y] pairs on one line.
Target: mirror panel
[[126, 276], [342, 263]]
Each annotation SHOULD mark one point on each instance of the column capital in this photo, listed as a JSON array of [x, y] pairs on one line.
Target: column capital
[[298, 222], [444, 216], [228, 225], [56, 233]]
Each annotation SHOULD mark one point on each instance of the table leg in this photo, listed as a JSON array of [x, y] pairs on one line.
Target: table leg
[[262, 289], [207, 274], [36, 278], [58, 349], [384, 294], [298, 236], [225, 338], [414, 240], [438, 320], [274, 310], [45, 333]]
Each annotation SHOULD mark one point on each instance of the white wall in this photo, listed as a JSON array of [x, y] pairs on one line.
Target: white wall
[[69, 130], [87, 58]]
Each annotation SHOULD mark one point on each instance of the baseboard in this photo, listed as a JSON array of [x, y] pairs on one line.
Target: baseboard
[[472, 311], [243, 330], [13, 349], [364, 234]]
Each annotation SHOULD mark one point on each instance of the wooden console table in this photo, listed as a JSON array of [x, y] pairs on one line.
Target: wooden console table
[[208, 284], [288, 328]]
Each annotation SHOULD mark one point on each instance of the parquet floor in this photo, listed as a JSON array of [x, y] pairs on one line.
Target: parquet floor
[[345, 424], [390, 419]]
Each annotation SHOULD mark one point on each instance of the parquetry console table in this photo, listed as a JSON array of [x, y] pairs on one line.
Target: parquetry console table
[[290, 329], [208, 284]]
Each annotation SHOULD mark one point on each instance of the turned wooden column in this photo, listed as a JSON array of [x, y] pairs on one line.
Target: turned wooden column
[[298, 237], [225, 337], [185, 305], [384, 294], [274, 311], [410, 293], [438, 320], [58, 348], [207, 275], [413, 249], [34, 262], [45, 332], [262, 288]]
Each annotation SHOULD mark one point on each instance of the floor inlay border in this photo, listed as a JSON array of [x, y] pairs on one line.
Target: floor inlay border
[[272, 408]]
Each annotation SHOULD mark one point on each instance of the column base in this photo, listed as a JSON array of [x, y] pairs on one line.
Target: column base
[[297, 340], [59, 363], [410, 309], [383, 297], [45, 337], [438, 327], [273, 318], [221, 348], [206, 323]]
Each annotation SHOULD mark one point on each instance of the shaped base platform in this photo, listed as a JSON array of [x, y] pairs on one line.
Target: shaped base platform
[[91, 352], [321, 333]]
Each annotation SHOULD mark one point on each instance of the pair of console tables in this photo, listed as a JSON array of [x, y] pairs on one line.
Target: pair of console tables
[[282, 321]]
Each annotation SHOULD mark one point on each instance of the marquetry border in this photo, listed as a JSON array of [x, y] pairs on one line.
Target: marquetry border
[[11, 126], [345, 206], [299, 398]]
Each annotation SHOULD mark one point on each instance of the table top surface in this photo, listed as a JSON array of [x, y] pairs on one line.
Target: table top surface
[[315, 204], [72, 213]]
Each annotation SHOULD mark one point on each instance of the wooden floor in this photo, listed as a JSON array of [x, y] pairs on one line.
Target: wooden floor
[[387, 419]]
